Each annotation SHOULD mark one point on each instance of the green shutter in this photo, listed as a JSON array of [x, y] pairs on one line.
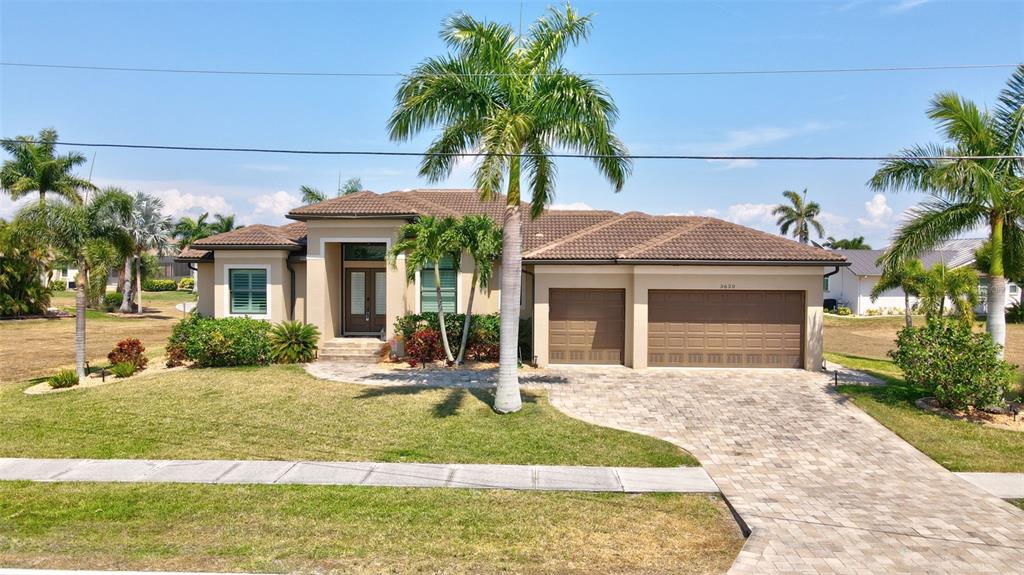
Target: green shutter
[[248, 291], [428, 293]]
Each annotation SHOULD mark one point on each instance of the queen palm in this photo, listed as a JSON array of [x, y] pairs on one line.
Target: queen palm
[[509, 98], [425, 243], [70, 228], [35, 167], [907, 277], [855, 243], [189, 229], [966, 192], [311, 195], [800, 215], [481, 239], [959, 286]]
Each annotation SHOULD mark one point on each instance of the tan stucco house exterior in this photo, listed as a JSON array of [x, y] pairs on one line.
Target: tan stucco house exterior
[[599, 287]]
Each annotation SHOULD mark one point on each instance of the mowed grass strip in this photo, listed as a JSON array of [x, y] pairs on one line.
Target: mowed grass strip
[[956, 445], [280, 412], [39, 347], [360, 529]]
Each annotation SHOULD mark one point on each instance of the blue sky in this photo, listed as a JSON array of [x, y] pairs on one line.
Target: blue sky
[[867, 113]]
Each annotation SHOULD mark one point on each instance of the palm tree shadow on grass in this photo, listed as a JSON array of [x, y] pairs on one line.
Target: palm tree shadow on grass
[[452, 401]]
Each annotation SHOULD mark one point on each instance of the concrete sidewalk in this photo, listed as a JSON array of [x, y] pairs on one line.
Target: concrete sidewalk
[[469, 476]]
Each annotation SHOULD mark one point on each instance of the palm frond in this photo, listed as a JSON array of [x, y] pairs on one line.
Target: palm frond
[[551, 35], [928, 224]]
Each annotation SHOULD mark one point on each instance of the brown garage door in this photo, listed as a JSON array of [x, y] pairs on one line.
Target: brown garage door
[[725, 328], [587, 326]]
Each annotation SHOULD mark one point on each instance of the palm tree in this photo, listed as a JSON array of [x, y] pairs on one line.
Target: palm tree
[[959, 286], [222, 223], [149, 230], [426, 242], [908, 277], [311, 195], [856, 243], [188, 230], [352, 185], [509, 97], [71, 227], [800, 215], [966, 192], [482, 240], [35, 167]]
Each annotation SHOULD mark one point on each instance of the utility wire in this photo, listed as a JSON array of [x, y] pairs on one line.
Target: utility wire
[[653, 73], [488, 154]]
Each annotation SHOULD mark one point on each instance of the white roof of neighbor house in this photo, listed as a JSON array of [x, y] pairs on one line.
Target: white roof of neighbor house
[[864, 262]]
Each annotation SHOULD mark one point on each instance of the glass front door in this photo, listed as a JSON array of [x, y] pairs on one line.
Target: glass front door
[[365, 300]]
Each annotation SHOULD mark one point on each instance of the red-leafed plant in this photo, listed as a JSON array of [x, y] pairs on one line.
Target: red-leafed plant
[[423, 347], [482, 351], [128, 350]]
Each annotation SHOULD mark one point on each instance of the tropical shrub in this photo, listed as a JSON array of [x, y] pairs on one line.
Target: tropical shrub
[[481, 351], [58, 286], [123, 369], [1015, 313], [844, 310], [223, 342], [186, 284], [112, 301], [63, 379], [129, 350], [22, 291], [423, 347], [159, 285], [175, 355], [293, 342], [962, 369]]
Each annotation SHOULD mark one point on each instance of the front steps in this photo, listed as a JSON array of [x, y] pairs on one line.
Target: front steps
[[351, 349]]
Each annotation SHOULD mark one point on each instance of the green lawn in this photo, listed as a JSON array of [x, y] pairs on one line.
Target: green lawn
[[956, 445], [280, 412], [276, 528]]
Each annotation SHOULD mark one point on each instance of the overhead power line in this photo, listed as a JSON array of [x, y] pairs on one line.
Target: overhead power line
[[487, 154], [649, 73]]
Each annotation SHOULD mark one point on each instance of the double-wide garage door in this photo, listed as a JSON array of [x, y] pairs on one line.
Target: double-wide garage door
[[725, 328]]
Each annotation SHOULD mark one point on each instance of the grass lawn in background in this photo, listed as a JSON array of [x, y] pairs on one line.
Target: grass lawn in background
[[39, 347], [280, 412], [956, 445]]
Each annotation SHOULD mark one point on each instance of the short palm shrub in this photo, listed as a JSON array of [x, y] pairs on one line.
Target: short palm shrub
[[123, 369], [112, 301], [129, 350], [424, 347], [293, 342], [1015, 313], [186, 284], [962, 369], [222, 342], [159, 285], [64, 379]]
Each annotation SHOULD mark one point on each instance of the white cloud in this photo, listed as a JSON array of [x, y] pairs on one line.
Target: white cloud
[[9, 207], [271, 208], [570, 206], [756, 215], [737, 141], [904, 6], [178, 204], [711, 212], [879, 214]]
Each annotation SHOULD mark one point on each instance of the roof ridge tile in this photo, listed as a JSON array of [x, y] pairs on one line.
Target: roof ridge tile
[[579, 234], [665, 236]]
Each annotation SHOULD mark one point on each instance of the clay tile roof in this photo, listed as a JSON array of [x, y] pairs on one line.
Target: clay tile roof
[[257, 235], [554, 225], [193, 255], [353, 205]]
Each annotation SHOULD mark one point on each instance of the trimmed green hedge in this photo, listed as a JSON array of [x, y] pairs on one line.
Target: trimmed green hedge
[[224, 342], [159, 285]]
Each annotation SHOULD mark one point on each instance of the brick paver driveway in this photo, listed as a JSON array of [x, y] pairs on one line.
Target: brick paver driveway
[[823, 487]]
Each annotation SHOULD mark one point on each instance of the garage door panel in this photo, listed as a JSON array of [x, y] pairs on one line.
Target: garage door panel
[[586, 326], [725, 328]]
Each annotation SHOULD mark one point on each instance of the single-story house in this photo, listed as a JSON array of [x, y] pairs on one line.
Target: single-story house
[[853, 284], [600, 287]]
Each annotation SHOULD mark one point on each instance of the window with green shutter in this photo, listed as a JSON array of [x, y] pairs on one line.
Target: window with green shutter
[[248, 291], [428, 293]]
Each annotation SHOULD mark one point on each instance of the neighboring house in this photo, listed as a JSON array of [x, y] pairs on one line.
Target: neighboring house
[[599, 287], [852, 285], [68, 277]]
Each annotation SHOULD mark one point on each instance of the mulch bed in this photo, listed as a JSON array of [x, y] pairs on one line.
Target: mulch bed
[[988, 419]]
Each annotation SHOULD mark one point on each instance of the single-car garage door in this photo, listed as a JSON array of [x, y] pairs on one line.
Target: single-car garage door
[[587, 326], [702, 328]]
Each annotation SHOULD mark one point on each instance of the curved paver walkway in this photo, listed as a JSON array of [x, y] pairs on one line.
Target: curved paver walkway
[[823, 487]]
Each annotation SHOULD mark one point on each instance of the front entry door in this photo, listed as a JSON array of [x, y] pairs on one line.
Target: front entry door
[[365, 304]]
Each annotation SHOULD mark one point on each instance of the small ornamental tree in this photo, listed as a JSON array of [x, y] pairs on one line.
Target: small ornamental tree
[[962, 369]]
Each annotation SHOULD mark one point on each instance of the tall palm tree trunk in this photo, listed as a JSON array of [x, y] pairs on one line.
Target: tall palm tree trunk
[[506, 395], [80, 283], [995, 318], [906, 309], [138, 282], [469, 316], [440, 312], [126, 290]]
